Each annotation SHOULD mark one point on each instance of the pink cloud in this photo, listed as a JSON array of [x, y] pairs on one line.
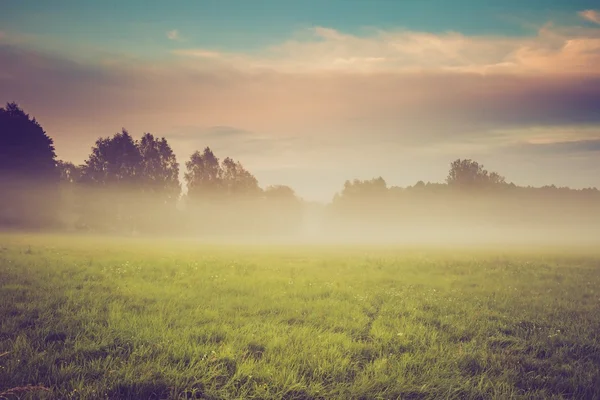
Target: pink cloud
[[552, 50], [591, 15]]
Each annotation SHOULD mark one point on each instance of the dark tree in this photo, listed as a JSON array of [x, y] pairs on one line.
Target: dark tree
[[470, 174], [28, 174], [159, 169], [204, 176], [68, 172], [131, 184], [25, 149], [237, 181], [222, 196], [111, 179], [114, 161], [160, 188]]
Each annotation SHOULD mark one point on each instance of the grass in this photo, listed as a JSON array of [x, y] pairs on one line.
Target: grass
[[87, 318]]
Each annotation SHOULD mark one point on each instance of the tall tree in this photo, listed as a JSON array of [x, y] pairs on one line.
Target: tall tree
[[114, 161], [25, 148], [111, 177], [129, 180], [204, 176], [237, 181], [159, 169], [28, 173]]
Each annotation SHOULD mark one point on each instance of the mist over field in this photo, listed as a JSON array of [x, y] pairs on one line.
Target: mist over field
[[132, 187], [230, 206]]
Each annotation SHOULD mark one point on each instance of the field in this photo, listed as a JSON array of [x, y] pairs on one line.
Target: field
[[88, 318]]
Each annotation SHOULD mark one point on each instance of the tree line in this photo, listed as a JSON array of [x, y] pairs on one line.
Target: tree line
[[133, 185], [126, 184]]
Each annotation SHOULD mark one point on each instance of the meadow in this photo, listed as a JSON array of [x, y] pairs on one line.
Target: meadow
[[92, 318]]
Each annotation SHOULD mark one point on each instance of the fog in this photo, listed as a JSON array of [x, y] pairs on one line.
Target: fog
[[133, 187], [420, 215]]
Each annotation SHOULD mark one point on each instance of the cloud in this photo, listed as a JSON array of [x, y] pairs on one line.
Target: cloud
[[173, 34], [199, 53], [574, 147], [400, 109], [591, 15], [552, 50]]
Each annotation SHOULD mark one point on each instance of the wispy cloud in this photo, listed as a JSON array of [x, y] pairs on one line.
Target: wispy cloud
[[570, 147], [408, 108], [201, 53], [552, 50], [591, 15], [173, 35]]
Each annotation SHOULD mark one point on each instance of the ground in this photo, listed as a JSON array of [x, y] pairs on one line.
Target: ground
[[87, 318]]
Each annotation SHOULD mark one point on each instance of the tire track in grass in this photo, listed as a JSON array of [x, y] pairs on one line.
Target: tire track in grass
[[365, 353]]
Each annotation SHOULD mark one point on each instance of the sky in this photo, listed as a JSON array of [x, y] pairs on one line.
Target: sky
[[315, 92]]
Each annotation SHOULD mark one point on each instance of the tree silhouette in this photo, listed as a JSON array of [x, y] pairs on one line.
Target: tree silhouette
[[470, 174], [160, 188], [204, 176], [236, 180], [114, 161], [28, 174], [68, 172], [159, 170], [128, 179], [25, 149], [133, 184], [110, 175]]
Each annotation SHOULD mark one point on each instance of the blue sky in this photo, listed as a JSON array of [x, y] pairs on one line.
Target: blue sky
[[298, 91], [242, 24]]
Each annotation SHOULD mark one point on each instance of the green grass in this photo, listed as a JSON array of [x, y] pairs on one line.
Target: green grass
[[103, 318]]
